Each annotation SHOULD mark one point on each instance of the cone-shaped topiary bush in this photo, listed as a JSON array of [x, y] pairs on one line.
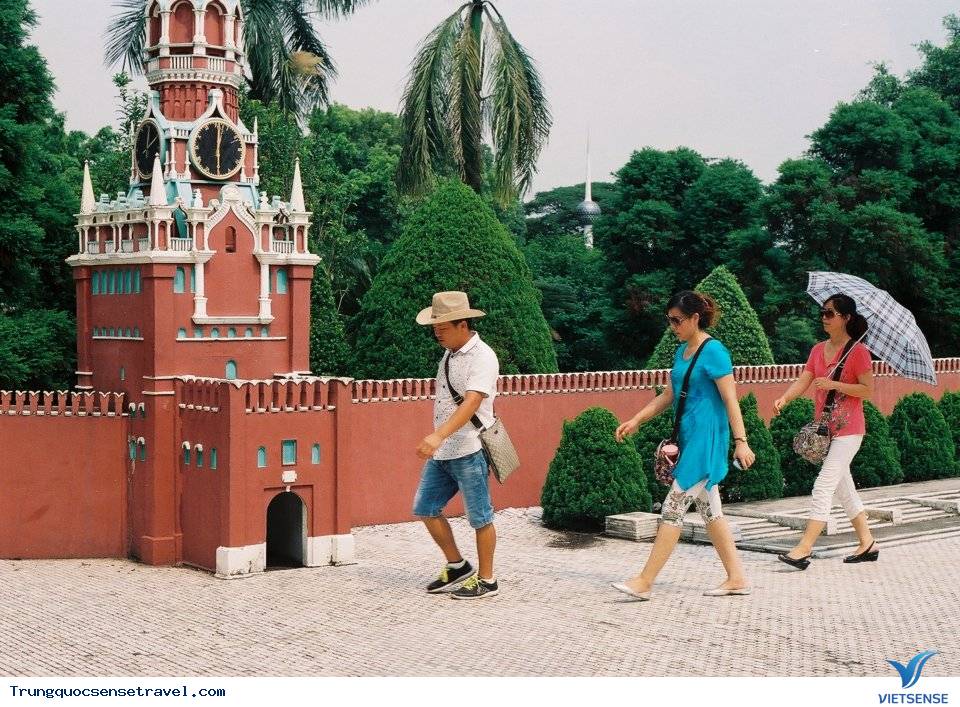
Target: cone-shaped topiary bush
[[798, 473], [923, 438], [592, 475], [950, 408], [646, 440], [764, 479], [329, 353], [453, 241], [878, 461], [738, 327]]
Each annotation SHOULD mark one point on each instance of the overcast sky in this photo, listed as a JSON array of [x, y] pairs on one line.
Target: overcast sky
[[741, 78]]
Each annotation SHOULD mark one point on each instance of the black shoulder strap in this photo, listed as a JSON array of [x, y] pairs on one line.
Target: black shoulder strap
[[837, 372], [681, 404], [457, 398]]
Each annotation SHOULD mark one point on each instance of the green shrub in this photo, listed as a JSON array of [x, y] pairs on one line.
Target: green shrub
[[878, 461], [329, 353], [592, 475], [452, 241], [924, 440], [764, 479], [950, 407], [738, 327], [646, 440], [798, 473]]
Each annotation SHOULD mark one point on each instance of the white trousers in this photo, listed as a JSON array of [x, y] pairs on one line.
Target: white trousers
[[678, 501], [835, 478]]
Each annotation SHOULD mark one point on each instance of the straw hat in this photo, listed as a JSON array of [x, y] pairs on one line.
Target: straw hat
[[448, 307]]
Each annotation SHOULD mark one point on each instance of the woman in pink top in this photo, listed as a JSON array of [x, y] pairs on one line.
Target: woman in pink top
[[842, 324]]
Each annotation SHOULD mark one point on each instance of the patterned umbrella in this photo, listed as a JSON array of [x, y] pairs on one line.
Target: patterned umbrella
[[893, 334]]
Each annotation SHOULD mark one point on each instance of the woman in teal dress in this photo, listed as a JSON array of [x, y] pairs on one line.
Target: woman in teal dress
[[711, 411]]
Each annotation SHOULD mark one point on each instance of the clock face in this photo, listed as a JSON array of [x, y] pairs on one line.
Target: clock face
[[146, 147], [217, 149]]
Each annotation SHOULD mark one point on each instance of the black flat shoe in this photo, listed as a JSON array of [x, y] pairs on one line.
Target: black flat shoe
[[800, 564], [868, 555]]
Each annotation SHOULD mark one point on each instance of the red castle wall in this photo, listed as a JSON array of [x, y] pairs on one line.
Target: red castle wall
[[71, 478]]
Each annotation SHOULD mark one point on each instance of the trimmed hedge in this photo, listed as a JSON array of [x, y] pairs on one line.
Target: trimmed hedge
[[738, 327], [764, 479], [921, 433], [949, 406], [453, 241], [878, 461], [592, 475], [646, 440], [798, 473]]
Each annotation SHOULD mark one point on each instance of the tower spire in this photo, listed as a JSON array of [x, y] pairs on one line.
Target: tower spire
[[158, 192], [588, 188], [296, 194], [87, 200], [588, 210]]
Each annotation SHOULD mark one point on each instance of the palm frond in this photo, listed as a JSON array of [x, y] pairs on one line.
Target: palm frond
[[464, 118], [520, 115], [425, 105], [265, 46], [301, 37], [336, 9], [126, 35]]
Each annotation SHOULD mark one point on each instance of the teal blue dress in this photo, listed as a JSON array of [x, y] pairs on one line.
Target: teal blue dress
[[704, 429]]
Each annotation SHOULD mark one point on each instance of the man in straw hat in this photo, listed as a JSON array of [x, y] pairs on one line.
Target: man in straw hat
[[466, 386]]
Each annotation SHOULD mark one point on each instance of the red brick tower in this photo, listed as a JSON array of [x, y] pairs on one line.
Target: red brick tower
[[193, 271]]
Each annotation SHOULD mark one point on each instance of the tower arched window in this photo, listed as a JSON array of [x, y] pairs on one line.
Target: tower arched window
[[181, 333], [215, 333], [231, 333], [230, 242], [136, 280], [111, 281], [213, 25], [231, 370], [193, 279], [262, 457], [154, 31], [181, 23], [179, 280], [95, 283], [248, 332], [281, 281]]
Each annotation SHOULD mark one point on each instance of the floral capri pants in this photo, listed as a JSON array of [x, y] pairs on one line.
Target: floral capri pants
[[678, 501]]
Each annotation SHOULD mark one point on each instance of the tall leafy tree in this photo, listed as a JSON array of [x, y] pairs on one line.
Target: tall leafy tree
[[286, 58], [471, 75]]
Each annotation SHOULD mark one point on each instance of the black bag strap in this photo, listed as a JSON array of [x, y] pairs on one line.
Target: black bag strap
[[457, 398], [832, 395], [682, 403]]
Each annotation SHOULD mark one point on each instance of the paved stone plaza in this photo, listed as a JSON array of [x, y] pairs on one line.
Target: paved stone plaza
[[556, 614]]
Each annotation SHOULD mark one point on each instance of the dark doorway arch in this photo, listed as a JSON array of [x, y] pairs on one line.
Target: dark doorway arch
[[286, 531]]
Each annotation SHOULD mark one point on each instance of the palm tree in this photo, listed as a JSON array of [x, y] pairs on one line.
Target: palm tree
[[286, 60], [470, 76]]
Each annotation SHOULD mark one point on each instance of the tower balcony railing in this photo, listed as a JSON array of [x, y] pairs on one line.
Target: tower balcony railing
[[126, 245], [216, 64], [181, 244], [93, 247], [143, 244], [281, 246]]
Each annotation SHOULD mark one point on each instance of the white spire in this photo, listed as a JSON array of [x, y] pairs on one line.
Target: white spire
[[296, 194], [158, 192], [587, 191], [256, 126], [87, 200]]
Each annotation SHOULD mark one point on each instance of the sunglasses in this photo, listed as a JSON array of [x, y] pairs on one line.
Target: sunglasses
[[676, 321], [827, 313]]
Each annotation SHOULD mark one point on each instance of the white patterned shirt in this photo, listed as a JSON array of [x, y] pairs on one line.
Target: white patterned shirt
[[473, 367]]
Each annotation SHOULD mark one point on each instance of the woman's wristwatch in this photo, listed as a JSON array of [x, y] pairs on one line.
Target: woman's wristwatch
[[740, 439]]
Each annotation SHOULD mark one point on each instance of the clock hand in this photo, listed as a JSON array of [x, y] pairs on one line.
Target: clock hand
[[219, 140]]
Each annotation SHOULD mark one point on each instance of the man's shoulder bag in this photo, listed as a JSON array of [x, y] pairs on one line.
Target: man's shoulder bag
[[501, 454]]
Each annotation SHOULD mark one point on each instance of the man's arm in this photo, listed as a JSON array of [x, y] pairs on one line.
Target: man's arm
[[460, 417]]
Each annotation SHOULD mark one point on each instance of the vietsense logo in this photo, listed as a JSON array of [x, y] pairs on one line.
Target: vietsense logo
[[909, 674]]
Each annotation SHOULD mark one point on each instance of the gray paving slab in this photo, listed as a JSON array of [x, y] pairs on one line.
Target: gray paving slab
[[555, 616]]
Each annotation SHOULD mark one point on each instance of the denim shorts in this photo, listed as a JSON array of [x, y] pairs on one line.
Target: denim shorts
[[441, 480]]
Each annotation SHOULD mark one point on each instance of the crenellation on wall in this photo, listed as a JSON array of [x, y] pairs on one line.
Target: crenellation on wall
[[63, 403]]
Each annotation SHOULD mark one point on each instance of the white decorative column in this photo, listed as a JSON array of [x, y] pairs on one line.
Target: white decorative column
[[199, 36], [265, 309], [164, 32], [199, 298]]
